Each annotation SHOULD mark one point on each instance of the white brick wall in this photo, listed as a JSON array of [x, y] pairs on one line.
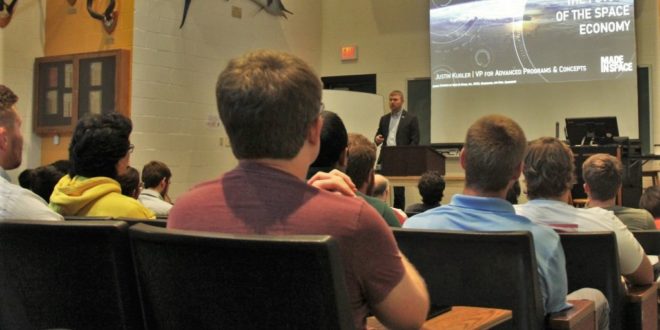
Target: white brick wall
[[175, 70], [20, 42]]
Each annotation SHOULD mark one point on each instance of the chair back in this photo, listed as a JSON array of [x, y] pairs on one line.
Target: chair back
[[487, 269], [195, 280], [592, 261], [152, 222], [130, 221], [85, 218], [67, 274], [649, 240]]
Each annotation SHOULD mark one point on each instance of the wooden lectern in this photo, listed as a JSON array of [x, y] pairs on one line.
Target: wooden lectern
[[410, 160]]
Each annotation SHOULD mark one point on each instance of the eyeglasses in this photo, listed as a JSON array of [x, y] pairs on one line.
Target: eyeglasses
[[131, 147]]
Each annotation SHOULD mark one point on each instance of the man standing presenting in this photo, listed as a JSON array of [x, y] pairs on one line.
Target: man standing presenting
[[397, 128]]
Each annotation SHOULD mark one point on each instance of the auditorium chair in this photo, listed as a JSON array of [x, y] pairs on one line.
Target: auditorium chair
[[487, 269], [151, 222], [592, 260], [130, 221], [649, 239], [196, 280], [67, 275]]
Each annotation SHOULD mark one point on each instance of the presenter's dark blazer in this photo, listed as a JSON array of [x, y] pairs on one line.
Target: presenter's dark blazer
[[408, 132]]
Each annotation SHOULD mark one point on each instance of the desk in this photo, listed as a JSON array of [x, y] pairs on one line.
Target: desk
[[460, 317], [653, 174]]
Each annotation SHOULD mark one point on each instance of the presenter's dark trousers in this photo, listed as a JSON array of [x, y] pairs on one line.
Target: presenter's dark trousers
[[399, 197]]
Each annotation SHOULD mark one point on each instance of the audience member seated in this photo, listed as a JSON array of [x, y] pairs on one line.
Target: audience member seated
[[62, 165], [269, 105], [156, 177], [334, 145], [43, 180], [360, 168], [99, 152], [549, 171], [16, 202], [382, 192], [130, 183], [492, 159], [431, 187], [513, 193], [650, 201], [602, 180], [25, 177]]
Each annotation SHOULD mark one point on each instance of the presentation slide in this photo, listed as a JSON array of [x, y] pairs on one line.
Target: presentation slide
[[505, 42]]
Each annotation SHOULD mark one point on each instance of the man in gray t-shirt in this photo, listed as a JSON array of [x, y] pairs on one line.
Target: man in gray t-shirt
[[602, 176]]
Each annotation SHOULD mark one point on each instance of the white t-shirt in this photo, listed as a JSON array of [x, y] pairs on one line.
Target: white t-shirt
[[18, 203], [152, 200], [566, 218]]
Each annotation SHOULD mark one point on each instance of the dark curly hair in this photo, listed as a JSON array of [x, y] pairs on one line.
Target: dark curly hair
[[130, 182], [98, 143], [431, 186]]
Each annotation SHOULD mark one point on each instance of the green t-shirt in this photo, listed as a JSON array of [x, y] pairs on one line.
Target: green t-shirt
[[634, 219], [383, 209]]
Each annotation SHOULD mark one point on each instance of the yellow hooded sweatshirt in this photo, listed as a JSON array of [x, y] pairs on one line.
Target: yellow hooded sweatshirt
[[98, 196]]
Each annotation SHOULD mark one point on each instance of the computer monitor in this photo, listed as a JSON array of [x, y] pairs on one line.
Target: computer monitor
[[591, 130]]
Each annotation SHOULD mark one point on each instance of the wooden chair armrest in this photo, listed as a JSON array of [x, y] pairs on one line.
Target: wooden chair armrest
[[581, 316], [642, 307], [642, 293]]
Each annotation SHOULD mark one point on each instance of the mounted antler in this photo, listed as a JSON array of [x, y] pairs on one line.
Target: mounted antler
[[108, 18], [5, 17]]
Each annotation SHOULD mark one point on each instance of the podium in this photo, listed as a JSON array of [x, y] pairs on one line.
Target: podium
[[411, 160]]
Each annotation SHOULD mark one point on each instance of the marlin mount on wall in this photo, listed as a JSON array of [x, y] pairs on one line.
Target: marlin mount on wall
[[6, 11], [273, 7], [108, 18]]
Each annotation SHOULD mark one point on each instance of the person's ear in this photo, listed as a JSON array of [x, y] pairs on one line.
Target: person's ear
[[343, 158], [461, 158], [518, 171], [587, 189], [4, 138], [314, 131]]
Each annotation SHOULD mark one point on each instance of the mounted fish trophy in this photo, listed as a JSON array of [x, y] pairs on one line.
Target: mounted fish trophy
[[6, 11], [108, 18], [273, 7]]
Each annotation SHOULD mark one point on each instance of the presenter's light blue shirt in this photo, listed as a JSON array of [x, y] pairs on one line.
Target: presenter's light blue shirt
[[471, 213]]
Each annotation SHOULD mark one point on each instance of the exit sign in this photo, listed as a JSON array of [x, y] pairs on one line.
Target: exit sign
[[349, 53]]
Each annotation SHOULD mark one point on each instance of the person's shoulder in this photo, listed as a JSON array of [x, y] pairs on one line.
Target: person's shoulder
[[25, 204], [596, 213], [201, 191], [435, 218], [642, 213], [375, 202], [353, 210]]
